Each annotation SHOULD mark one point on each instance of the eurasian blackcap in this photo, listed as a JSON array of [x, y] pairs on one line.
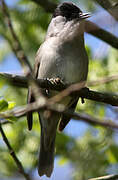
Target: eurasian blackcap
[[63, 56]]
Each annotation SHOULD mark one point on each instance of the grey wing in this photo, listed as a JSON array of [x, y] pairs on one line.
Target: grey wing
[[30, 96], [65, 119]]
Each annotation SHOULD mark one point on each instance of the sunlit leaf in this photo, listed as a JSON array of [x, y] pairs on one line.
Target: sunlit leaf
[[3, 104], [11, 105], [62, 161]]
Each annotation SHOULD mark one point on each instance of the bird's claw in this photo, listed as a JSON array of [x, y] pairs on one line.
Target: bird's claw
[[55, 81]]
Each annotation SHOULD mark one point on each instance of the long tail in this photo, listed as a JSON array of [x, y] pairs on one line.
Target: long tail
[[46, 158], [47, 144]]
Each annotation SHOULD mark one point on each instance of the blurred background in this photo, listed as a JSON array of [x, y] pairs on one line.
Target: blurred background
[[82, 151]]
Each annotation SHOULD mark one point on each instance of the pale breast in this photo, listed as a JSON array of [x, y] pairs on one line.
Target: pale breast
[[66, 61]]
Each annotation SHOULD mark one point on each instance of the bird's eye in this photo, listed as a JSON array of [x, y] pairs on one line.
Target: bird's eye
[[74, 15]]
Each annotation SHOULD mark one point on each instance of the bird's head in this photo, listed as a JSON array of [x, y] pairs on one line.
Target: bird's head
[[70, 11]]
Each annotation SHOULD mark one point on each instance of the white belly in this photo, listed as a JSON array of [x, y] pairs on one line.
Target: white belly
[[67, 61]]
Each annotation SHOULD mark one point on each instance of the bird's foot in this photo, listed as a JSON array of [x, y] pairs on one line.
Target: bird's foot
[[82, 100], [86, 90], [55, 81]]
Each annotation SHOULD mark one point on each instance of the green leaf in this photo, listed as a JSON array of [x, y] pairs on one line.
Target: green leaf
[[112, 154], [12, 119], [3, 104], [11, 105], [62, 161]]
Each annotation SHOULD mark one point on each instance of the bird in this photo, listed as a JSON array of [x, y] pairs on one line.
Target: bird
[[61, 56]]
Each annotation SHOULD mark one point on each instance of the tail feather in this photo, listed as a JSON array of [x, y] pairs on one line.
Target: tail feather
[[47, 143], [46, 158], [30, 99]]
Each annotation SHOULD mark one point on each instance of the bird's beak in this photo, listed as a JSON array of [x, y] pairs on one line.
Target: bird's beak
[[84, 15]]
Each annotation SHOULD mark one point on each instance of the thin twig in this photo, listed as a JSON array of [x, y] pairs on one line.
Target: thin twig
[[104, 80], [60, 108], [3, 122], [17, 48], [108, 177], [68, 91], [16, 44], [12, 153]]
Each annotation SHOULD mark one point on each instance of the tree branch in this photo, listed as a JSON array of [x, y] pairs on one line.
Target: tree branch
[[22, 81], [3, 122], [59, 108], [12, 153], [18, 50], [108, 98], [16, 46], [109, 6], [108, 177], [48, 6], [104, 80], [90, 27], [102, 34]]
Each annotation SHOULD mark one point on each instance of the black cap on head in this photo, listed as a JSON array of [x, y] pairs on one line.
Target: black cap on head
[[68, 10]]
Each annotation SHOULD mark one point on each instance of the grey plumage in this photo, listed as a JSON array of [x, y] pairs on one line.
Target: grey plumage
[[62, 55]]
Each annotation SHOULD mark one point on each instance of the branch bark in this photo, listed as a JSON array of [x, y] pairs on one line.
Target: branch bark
[[108, 177], [48, 6], [109, 6], [108, 98], [22, 81], [102, 34], [16, 46], [59, 108], [18, 50]]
